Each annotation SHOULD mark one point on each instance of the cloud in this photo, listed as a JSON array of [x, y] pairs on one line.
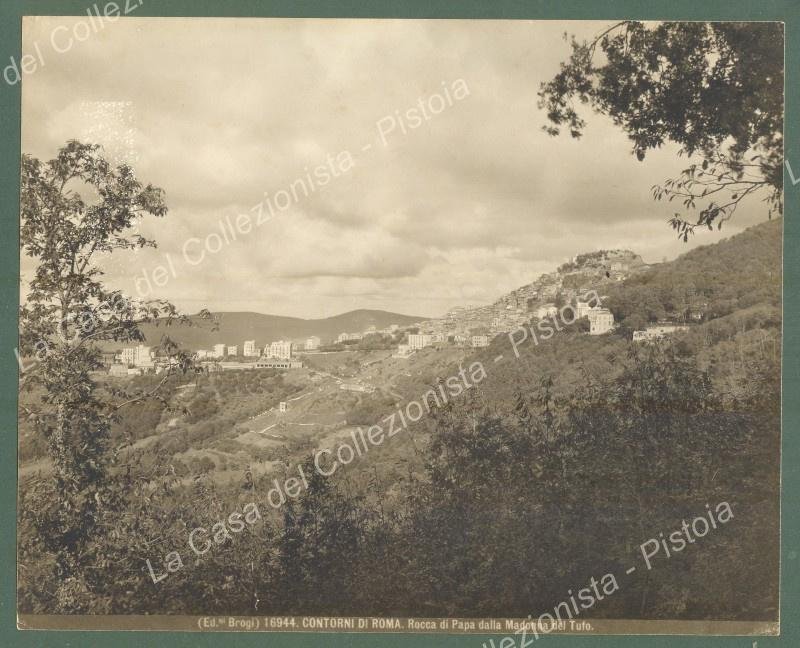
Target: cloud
[[469, 203]]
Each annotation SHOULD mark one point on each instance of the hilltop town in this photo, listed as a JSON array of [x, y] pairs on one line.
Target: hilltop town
[[461, 327]]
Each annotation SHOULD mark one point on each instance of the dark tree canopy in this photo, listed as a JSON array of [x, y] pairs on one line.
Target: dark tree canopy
[[715, 89], [74, 208]]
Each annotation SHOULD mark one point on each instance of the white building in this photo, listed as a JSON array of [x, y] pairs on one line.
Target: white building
[[582, 308], [479, 341], [601, 320], [657, 332], [234, 366], [140, 356], [233, 350], [250, 349], [312, 343], [277, 363], [219, 350], [280, 349], [144, 357], [419, 341]]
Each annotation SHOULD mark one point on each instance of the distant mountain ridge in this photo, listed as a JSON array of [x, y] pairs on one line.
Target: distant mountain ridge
[[236, 327]]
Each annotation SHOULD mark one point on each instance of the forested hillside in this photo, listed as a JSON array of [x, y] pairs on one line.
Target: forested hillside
[[551, 471], [707, 283]]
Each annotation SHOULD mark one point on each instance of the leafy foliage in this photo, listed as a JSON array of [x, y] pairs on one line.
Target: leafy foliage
[[715, 89], [68, 312], [706, 283]]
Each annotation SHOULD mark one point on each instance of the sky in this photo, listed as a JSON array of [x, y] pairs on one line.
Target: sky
[[424, 208]]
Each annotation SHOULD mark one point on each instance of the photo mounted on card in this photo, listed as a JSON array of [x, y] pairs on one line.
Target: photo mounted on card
[[370, 325]]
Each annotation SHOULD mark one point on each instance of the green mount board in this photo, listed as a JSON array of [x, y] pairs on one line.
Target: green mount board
[[787, 11]]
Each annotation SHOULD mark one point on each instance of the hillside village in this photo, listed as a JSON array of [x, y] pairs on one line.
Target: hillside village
[[462, 326]]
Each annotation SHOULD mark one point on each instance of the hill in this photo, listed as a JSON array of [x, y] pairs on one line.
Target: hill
[[235, 327], [556, 464], [728, 293], [727, 289], [706, 283], [597, 270]]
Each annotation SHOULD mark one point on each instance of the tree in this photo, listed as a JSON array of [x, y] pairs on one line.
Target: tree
[[67, 313], [319, 544], [715, 89]]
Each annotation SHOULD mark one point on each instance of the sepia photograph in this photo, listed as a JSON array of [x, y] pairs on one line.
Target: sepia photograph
[[399, 325]]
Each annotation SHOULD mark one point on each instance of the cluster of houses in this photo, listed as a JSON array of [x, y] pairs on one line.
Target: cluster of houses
[[542, 298], [371, 330], [601, 320], [134, 361], [463, 326], [280, 349], [221, 357], [275, 355], [467, 327], [417, 341], [279, 354], [477, 326]]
